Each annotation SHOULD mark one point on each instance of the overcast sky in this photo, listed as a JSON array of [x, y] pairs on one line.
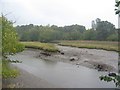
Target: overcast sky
[[59, 12]]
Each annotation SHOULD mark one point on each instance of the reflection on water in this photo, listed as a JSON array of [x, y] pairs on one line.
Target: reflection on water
[[49, 63], [63, 75]]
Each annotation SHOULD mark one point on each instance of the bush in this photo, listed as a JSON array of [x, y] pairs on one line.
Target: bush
[[20, 47], [111, 77], [7, 71], [112, 37]]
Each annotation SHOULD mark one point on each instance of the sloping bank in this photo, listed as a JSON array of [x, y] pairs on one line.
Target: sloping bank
[[42, 46], [105, 45], [57, 68], [25, 80], [61, 74], [96, 59]]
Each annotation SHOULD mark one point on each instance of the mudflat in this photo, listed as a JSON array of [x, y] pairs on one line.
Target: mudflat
[[92, 58]]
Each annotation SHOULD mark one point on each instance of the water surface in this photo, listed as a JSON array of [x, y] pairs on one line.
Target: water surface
[[63, 75]]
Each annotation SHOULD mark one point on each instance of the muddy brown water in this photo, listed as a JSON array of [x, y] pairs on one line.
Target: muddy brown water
[[60, 74]]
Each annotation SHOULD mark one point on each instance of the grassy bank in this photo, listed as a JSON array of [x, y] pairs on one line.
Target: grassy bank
[[105, 45], [7, 71], [43, 46]]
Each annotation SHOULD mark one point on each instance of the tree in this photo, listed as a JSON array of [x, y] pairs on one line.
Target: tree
[[90, 34], [117, 11], [10, 43], [93, 25], [98, 20], [113, 37], [104, 29], [113, 76]]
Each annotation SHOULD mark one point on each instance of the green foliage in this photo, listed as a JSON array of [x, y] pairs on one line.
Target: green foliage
[[10, 43], [102, 31], [108, 78], [89, 35], [106, 45], [117, 5], [7, 71], [50, 33], [112, 37], [43, 46], [113, 76]]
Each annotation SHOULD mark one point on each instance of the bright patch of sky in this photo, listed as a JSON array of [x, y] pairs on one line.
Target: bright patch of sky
[[59, 12]]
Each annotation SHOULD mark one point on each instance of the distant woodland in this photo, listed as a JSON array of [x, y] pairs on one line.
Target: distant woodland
[[100, 30]]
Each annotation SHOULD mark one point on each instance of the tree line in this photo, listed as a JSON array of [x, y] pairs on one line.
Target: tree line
[[101, 30]]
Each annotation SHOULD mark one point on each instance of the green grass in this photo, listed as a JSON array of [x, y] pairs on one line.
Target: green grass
[[43, 46], [106, 45], [7, 71]]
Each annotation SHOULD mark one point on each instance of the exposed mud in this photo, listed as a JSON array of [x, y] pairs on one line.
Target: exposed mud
[[65, 69], [97, 59]]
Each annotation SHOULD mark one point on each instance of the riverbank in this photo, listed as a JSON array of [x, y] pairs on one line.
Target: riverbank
[[25, 80], [104, 45], [38, 65], [42, 46], [101, 60], [58, 73]]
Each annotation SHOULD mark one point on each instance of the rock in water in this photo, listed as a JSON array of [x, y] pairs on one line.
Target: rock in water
[[100, 67], [62, 53], [45, 53], [112, 74], [73, 58]]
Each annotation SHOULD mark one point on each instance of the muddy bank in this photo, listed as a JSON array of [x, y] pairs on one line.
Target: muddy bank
[[56, 73], [25, 80], [100, 60]]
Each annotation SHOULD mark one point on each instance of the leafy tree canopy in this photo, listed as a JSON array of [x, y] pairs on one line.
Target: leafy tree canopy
[[10, 43]]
